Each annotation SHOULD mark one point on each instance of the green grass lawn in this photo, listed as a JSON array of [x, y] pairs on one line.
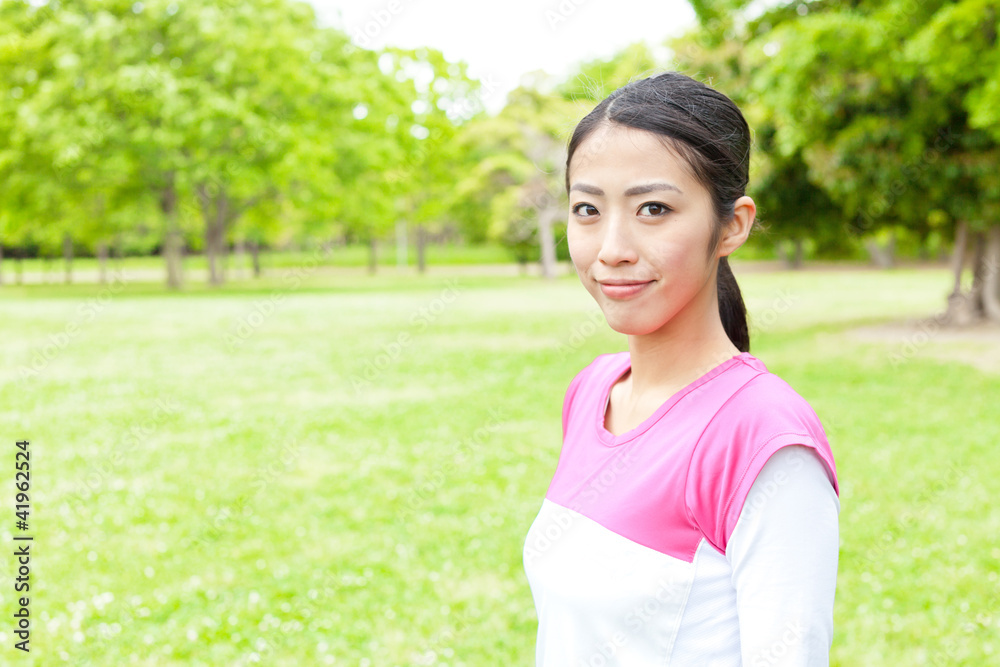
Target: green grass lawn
[[356, 255], [343, 472]]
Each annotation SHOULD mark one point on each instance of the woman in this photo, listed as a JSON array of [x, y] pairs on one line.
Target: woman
[[693, 515]]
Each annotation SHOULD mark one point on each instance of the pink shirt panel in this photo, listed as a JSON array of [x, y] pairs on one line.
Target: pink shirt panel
[[684, 473]]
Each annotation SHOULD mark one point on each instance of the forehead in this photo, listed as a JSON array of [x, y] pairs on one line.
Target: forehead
[[619, 153]]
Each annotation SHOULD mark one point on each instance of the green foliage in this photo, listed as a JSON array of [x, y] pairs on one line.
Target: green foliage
[[889, 133], [244, 119], [443, 99], [515, 169], [596, 79], [868, 116]]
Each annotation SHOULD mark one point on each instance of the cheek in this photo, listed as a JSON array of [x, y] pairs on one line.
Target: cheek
[[684, 252], [579, 248], [681, 274], [674, 260]]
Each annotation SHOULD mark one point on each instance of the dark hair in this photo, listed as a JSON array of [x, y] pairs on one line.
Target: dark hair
[[706, 129]]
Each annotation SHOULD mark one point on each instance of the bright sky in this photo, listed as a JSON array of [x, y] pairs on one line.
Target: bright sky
[[503, 40]]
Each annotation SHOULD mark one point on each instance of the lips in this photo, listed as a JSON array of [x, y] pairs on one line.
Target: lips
[[624, 290]]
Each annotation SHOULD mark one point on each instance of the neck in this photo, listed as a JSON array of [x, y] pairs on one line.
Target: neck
[[685, 348]]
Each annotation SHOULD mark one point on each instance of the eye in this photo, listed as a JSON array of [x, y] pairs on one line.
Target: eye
[[584, 210], [654, 208]]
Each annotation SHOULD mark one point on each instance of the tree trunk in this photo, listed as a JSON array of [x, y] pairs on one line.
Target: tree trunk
[[68, 256], [20, 268], [923, 252], [958, 256], [991, 275], [173, 244], [402, 244], [976, 292], [960, 308], [102, 260], [214, 211], [882, 257], [222, 213], [239, 256], [255, 257], [120, 252], [213, 275], [421, 249], [793, 255], [173, 250], [372, 255], [1, 263]]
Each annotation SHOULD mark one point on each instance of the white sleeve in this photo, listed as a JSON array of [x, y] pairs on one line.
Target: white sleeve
[[783, 552]]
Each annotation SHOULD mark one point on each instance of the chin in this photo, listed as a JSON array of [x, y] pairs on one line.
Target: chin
[[632, 326]]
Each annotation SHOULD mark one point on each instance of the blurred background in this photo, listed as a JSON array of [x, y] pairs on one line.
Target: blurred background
[[288, 313]]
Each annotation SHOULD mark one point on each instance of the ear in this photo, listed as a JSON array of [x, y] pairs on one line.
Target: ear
[[738, 229]]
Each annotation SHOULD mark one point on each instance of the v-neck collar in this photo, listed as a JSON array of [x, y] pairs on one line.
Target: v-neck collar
[[625, 365]]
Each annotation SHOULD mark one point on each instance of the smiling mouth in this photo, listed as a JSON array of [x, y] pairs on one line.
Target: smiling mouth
[[625, 290]]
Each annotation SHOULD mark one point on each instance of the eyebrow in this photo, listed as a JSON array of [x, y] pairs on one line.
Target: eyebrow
[[637, 190]]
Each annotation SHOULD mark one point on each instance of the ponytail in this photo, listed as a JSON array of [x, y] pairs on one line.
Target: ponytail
[[732, 310]]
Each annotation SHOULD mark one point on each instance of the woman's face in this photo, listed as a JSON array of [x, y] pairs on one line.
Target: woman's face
[[638, 215]]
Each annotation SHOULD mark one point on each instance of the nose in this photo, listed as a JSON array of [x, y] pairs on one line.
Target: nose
[[617, 244]]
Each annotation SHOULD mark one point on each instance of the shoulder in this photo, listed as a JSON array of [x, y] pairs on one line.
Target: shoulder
[[764, 415], [608, 360], [599, 366], [587, 381], [768, 405]]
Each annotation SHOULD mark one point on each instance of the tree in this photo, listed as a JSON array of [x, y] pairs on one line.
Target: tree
[[513, 192], [956, 56], [443, 99], [793, 205], [896, 136], [203, 109]]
